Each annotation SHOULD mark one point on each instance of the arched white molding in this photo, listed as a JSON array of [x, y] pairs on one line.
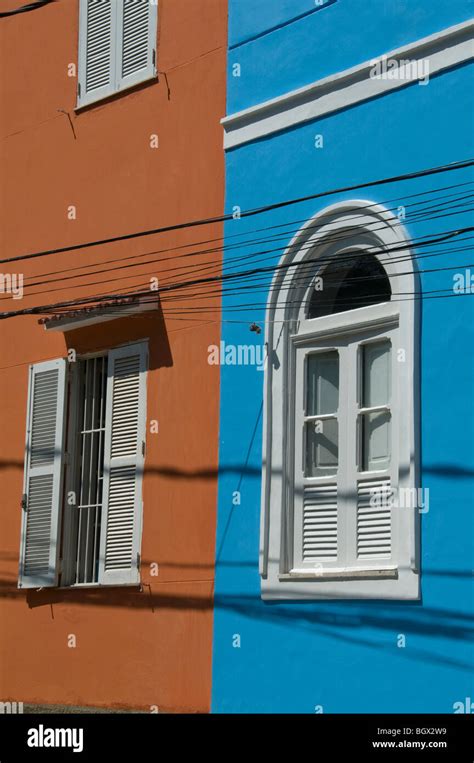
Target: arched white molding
[[343, 226]]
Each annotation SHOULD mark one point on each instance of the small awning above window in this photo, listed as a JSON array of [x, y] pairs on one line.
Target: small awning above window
[[356, 280], [98, 313]]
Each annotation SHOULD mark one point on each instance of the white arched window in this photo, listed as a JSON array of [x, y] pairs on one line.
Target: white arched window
[[340, 492]]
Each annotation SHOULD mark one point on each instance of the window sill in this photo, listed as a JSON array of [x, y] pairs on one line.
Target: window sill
[[103, 99], [397, 583], [80, 587], [348, 573], [96, 586]]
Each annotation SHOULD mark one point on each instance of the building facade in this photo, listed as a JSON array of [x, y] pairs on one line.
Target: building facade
[[236, 459], [344, 534], [111, 126]]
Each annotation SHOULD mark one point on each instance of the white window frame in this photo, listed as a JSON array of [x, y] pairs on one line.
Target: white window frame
[[341, 227], [118, 83]]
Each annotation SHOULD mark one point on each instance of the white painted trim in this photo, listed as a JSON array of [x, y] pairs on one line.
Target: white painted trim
[[374, 226], [378, 316], [342, 573], [443, 50]]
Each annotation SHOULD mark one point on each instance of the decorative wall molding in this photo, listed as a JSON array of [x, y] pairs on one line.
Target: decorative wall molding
[[443, 50]]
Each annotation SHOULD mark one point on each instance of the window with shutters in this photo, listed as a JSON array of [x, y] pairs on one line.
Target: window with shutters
[[85, 447], [117, 46], [340, 509]]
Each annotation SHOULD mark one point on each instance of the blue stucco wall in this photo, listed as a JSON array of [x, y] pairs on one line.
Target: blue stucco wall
[[285, 44], [343, 656]]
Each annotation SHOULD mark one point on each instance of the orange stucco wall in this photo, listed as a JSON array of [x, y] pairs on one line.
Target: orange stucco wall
[[135, 649]]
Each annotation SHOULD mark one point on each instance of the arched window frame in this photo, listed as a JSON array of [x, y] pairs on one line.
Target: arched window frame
[[340, 228]]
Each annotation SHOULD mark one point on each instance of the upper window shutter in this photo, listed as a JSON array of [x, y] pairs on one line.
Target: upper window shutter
[[97, 35], [136, 42], [43, 477], [125, 428]]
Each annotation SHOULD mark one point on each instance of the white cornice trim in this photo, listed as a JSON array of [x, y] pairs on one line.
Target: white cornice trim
[[444, 49]]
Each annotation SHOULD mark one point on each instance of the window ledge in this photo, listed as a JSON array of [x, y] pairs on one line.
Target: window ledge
[[115, 94], [347, 573], [80, 587], [97, 586]]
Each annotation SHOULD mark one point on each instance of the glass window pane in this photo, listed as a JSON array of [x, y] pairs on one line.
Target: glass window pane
[[321, 441], [322, 389], [375, 440], [350, 282], [376, 374]]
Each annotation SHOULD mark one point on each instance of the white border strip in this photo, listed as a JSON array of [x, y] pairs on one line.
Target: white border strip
[[443, 50]]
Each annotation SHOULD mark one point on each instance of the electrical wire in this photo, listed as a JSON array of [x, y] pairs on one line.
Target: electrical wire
[[26, 8], [227, 247], [453, 166], [415, 217], [207, 280], [258, 275]]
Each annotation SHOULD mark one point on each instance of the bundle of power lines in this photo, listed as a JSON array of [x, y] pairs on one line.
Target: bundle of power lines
[[218, 278]]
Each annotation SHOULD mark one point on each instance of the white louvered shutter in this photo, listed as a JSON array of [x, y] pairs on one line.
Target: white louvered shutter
[[123, 465], [97, 40], [374, 519], [43, 477], [136, 42]]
